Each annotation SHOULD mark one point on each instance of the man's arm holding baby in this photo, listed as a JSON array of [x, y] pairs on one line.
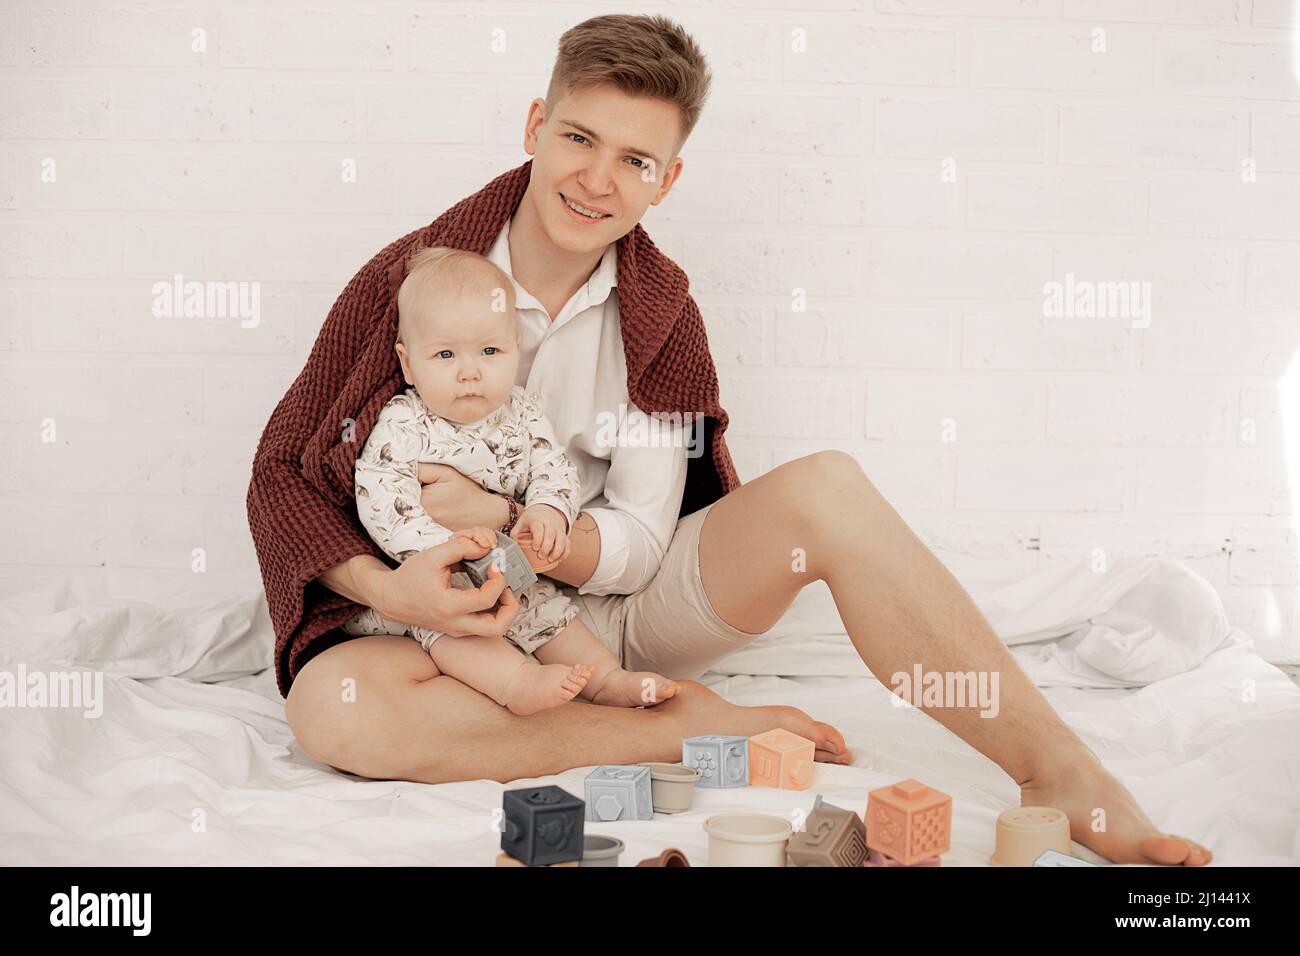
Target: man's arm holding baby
[[614, 548], [460, 502], [388, 506], [419, 591]]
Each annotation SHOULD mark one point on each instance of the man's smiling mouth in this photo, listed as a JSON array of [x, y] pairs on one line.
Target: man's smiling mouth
[[583, 211]]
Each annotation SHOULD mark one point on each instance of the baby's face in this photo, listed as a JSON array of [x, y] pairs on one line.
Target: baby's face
[[462, 361]]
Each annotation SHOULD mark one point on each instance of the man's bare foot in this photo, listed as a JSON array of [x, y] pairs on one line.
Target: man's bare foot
[[537, 687], [701, 711], [632, 688], [1081, 787]]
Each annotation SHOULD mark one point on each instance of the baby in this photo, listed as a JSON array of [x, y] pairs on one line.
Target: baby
[[458, 344]]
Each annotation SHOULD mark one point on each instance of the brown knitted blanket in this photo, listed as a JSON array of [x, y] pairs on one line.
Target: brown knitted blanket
[[301, 508]]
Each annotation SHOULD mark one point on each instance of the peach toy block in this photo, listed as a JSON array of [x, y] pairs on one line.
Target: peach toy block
[[779, 758], [908, 821], [535, 560]]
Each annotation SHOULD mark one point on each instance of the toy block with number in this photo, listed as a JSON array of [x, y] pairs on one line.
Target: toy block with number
[[832, 836], [723, 761], [779, 758]]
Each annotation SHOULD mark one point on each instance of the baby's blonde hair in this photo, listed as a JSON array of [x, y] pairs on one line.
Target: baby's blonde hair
[[442, 270]]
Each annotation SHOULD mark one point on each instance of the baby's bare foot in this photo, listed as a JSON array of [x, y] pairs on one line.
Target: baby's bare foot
[[537, 687], [634, 689]]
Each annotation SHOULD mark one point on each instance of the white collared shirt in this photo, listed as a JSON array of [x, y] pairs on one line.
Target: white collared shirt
[[576, 365]]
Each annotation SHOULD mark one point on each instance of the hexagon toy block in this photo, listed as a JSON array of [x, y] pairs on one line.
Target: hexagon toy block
[[722, 761], [779, 758], [618, 793], [832, 836], [543, 825], [908, 821]]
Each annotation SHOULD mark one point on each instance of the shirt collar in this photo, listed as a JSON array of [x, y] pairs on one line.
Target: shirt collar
[[599, 285]]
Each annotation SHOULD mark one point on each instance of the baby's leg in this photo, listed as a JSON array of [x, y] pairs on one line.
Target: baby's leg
[[493, 666], [609, 684]]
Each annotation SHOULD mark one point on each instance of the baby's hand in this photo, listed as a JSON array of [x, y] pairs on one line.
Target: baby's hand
[[484, 537], [544, 526]]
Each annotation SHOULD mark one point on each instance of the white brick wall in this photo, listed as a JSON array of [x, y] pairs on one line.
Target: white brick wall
[[876, 194]]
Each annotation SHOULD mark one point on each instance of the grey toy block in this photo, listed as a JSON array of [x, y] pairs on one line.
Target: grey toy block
[[519, 573], [618, 793], [722, 761], [543, 825], [832, 836]]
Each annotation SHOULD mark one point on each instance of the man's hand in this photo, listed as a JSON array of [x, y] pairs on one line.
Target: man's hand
[[420, 590], [457, 502], [545, 526]]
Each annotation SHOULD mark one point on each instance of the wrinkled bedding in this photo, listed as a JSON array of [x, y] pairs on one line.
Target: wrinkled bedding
[[190, 761]]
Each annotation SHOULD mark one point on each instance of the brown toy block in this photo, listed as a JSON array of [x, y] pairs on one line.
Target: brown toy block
[[831, 836], [909, 822], [779, 758]]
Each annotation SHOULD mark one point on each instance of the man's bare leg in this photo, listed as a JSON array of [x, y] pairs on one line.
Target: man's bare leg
[[901, 606], [379, 707]]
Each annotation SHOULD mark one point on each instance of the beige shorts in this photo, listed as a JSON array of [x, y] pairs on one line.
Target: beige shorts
[[669, 627]]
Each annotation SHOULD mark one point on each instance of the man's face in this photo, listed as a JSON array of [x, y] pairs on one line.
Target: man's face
[[461, 355], [606, 151]]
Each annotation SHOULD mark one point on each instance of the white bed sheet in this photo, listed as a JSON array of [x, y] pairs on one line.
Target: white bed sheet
[[1138, 661]]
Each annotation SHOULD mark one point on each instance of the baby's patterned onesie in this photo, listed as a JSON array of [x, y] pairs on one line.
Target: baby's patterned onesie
[[512, 450]]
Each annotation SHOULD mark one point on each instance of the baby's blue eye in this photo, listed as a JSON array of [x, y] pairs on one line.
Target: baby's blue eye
[[445, 353], [491, 349]]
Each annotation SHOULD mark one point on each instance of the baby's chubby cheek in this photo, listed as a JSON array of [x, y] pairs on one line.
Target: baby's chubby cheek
[[437, 389]]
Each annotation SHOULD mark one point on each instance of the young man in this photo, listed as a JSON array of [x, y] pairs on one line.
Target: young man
[[673, 561]]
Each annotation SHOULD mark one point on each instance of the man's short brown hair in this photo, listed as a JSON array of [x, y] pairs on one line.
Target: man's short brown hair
[[641, 55]]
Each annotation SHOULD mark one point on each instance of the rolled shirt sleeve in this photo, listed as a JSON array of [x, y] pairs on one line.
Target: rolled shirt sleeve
[[643, 495]]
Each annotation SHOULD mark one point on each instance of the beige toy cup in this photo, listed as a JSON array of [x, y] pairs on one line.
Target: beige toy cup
[[747, 839], [598, 850], [1025, 832], [672, 786]]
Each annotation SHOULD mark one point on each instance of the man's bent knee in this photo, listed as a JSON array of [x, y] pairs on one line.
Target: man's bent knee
[[824, 483], [331, 706], [316, 707], [838, 471]]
